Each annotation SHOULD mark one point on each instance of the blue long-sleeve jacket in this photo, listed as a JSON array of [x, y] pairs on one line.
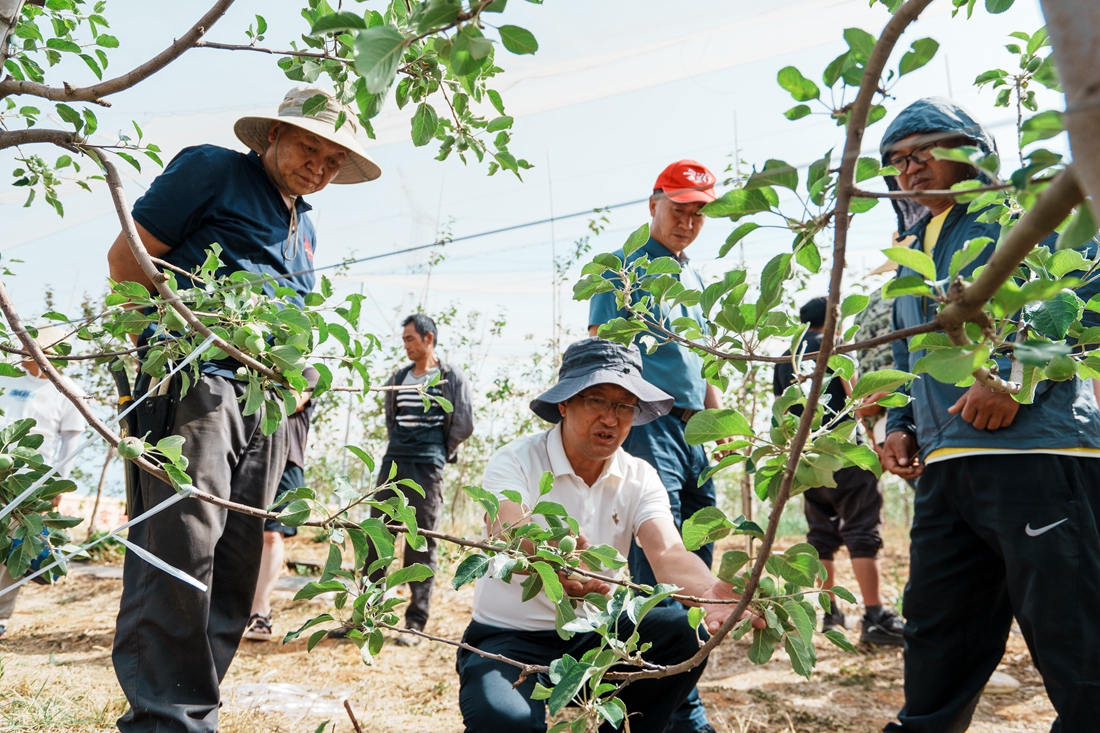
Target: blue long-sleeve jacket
[[1063, 414]]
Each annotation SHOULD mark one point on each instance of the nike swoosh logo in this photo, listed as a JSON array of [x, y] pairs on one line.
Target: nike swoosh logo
[[1036, 532]]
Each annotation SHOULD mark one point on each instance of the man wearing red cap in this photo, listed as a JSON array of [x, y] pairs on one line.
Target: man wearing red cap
[[681, 190]]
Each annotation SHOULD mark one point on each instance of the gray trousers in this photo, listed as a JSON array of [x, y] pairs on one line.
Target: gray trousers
[[173, 643], [7, 601], [428, 509]]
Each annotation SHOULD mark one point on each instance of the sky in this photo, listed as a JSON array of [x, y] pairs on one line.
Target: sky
[[617, 90]]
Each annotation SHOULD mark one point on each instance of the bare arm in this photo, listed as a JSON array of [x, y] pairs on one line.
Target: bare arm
[[593, 331], [123, 266], [672, 563], [713, 398]]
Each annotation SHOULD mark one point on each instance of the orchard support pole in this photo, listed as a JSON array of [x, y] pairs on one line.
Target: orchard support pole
[[1074, 28]]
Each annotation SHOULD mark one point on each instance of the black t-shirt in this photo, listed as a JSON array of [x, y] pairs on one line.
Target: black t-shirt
[[835, 394], [418, 435]]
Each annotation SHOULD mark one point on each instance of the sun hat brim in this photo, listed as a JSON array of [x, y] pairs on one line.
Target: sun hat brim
[[653, 402], [358, 168]]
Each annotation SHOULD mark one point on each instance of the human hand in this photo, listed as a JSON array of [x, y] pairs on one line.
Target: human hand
[[717, 613], [985, 409], [719, 454], [868, 407], [899, 455]]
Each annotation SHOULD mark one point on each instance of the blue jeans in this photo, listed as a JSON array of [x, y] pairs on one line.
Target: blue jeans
[[661, 444]]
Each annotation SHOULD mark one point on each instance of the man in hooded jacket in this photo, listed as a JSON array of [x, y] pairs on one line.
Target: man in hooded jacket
[[1006, 512]]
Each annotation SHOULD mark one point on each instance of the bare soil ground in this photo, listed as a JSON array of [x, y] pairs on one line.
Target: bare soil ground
[[57, 674]]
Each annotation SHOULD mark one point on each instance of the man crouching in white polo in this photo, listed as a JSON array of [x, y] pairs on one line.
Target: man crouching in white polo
[[615, 498]]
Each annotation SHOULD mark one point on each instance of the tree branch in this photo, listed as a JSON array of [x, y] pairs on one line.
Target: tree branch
[[96, 92], [934, 194], [67, 140], [857, 122]]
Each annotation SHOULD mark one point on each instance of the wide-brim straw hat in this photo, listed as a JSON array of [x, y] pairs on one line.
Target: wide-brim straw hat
[[596, 361], [50, 336], [359, 167]]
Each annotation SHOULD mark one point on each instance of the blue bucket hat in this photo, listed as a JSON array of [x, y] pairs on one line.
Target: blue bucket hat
[[597, 361]]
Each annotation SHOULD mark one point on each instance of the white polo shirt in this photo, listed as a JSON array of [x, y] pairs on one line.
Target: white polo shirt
[[627, 494]]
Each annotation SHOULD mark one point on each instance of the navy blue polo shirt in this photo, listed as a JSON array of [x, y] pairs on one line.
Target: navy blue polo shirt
[[211, 194], [673, 368]]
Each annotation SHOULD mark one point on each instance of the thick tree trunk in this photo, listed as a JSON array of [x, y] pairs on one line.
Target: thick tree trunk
[[1074, 27], [9, 16]]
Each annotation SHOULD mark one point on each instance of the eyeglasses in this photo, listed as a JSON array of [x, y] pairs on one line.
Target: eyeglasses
[[921, 155], [600, 406]]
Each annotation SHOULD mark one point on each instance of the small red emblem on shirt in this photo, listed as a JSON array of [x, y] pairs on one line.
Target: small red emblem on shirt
[[309, 249]]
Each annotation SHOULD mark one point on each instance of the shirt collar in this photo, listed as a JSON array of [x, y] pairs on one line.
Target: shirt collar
[[560, 465], [300, 204], [655, 249]]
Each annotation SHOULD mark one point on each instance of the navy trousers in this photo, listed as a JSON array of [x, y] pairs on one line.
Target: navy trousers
[[491, 702], [661, 444]]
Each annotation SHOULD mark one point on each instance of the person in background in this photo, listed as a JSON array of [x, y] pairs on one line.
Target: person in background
[[56, 419], [1006, 512], [680, 192], [421, 441], [271, 562], [848, 514], [617, 499], [174, 643]]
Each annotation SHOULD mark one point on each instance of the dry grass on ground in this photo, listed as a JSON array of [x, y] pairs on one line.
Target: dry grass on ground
[[57, 674]]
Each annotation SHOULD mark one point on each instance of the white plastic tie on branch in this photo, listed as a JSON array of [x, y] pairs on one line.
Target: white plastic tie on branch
[[153, 560], [110, 423]]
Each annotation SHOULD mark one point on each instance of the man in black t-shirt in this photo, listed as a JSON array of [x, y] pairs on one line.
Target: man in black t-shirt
[[849, 514], [422, 438]]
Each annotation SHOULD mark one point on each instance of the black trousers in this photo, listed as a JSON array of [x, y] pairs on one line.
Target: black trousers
[[428, 510], [995, 537], [849, 514], [173, 643], [491, 704]]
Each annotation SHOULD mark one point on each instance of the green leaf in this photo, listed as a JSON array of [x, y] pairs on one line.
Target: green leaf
[[705, 526], [998, 6], [801, 88], [550, 583], [886, 380], [774, 173], [732, 562], [569, 685], [907, 285], [738, 234], [838, 638], [1053, 317], [710, 425], [636, 240], [338, 23], [470, 569], [808, 257], [171, 447], [951, 365], [500, 123], [663, 266], [424, 124], [518, 40], [1042, 126], [378, 52], [913, 259], [919, 54], [315, 105], [762, 649], [411, 574], [853, 304], [1080, 230], [967, 254], [867, 168], [1037, 353], [295, 514], [797, 112], [738, 203], [860, 42]]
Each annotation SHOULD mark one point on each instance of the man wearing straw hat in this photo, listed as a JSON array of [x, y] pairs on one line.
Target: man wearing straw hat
[[173, 643]]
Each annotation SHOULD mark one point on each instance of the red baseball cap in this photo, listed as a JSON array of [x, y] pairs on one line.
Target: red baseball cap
[[686, 181]]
